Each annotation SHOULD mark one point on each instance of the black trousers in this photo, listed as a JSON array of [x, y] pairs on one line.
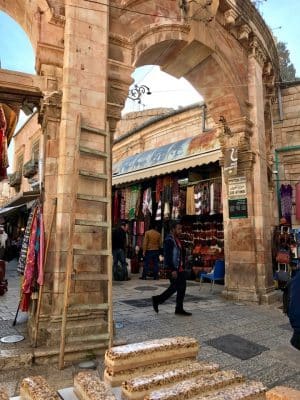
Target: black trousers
[[176, 285]]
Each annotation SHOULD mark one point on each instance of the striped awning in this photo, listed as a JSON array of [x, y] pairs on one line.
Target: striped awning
[[186, 153]]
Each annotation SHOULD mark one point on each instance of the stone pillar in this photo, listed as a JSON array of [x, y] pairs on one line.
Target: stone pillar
[[248, 240], [84, 95]]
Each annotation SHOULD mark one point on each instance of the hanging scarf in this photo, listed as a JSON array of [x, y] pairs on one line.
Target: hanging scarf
[[286, 193]]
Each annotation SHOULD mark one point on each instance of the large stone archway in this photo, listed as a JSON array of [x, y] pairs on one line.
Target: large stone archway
[[85, 54]]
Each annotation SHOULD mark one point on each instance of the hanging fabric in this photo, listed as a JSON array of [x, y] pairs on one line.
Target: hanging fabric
[[298, 201], [197, 198], [34, 262], [286, 194], [158, 212], [147, 201], [116, 208]]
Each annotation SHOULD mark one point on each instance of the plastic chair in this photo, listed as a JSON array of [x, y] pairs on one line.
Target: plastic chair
[[217, 274]]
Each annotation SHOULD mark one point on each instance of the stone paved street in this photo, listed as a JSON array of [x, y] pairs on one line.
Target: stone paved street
[[275, 362]]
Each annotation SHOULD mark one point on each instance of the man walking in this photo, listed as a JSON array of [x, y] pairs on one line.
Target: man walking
[[173, 260], [118, 250], [151, 245]]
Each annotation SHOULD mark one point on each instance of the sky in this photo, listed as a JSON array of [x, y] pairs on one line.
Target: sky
[[167, 91]]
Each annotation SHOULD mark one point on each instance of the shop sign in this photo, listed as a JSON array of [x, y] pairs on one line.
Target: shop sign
[[230, 161], [238, 208], [237, 187]]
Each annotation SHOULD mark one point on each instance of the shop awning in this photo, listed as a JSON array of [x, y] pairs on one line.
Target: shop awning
[[187, 153], [22, 198], [11, 210]]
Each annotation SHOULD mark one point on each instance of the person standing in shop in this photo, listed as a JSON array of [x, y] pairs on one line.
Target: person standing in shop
[[294, 309], [151, 246], [119, 241], [173, 260]]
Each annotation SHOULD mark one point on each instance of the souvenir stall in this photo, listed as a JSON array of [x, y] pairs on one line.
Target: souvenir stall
[[286, 236], [183, 196]]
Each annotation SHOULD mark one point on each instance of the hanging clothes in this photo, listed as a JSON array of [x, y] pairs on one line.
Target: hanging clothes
[[123, 205], [158, 212], [197, 198], [33, 271], [25, 243], [298, 201], [175, 199], [8, 121], [134, 195], [147, 201], [286, 194], [158, 189]]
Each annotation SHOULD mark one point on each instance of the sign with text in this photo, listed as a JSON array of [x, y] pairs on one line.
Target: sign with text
[[237, 187], [238, 208], [230, 161]]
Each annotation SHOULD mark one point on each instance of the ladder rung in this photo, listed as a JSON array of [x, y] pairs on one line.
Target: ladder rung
[[89, 307], [89, 222], [94, 130], [92, 152], [91, 174], [84, 252], [92, 198], [89, 276]]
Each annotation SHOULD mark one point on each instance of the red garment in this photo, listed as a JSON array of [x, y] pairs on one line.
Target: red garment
[[116, 208], [41, 256]]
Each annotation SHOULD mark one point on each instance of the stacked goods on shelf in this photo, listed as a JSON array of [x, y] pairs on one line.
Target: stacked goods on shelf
[[88, 386], [37, 388], [126, 360]]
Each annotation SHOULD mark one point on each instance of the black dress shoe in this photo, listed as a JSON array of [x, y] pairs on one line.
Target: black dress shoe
[[143, 278], [154, 304], [183, 312]]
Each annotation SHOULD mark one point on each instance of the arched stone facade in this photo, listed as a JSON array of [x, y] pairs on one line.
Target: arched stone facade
[[85, 54]]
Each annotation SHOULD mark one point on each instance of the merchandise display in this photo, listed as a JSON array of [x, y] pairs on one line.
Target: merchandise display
[[197, 204]]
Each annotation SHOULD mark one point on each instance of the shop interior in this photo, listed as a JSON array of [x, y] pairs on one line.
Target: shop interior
[[193, 197]]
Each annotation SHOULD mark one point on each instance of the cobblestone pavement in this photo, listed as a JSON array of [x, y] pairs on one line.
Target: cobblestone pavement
[[273, 361]]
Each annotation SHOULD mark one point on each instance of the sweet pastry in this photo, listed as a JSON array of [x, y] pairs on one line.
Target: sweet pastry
[[3, 393], [37, 388], [116, 378], [88, 386], [137, 388], [244, 391], [196, 386], [153, 351]]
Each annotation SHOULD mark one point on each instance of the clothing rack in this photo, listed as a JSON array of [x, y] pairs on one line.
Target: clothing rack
[[201, 181]]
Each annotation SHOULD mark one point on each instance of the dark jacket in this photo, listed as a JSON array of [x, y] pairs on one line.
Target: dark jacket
[[172, 253], [118, 239], [294, 305]]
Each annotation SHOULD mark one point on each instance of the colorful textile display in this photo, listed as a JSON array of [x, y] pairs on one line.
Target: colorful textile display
[[286, 194], [32, 265]]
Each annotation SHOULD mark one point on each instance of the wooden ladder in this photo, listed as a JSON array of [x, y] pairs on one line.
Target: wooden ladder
[[90, 237]]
